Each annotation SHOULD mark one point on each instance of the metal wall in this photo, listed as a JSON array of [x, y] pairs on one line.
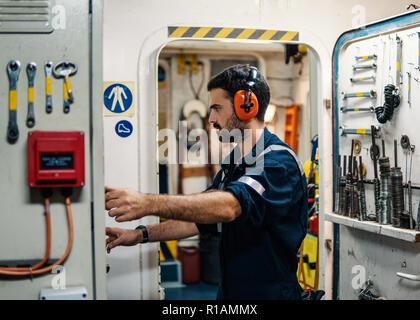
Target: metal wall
[[369, 250], [22, 226]]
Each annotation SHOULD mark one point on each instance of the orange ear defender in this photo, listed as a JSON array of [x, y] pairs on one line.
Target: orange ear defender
[[245, 102]]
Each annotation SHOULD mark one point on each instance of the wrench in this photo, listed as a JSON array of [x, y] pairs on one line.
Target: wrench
[[369, 66], [373, 56], [13, 69], [48, 86], [373, 78], [370, 94], [409, 89], [65, 69], [345, 131], [398, 76], [31, 71], [357, 109], [66, 100]]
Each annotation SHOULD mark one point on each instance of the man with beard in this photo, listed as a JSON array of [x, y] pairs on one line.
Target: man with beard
[[257, 203]]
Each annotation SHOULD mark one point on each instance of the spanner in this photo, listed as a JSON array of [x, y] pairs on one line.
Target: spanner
[[370, 94], [357, 109], [30, 71], [66, 100], [13, 69], [373, 78], [368, 66], [373, 56], [362, 131], [65, 69], [48, 86]]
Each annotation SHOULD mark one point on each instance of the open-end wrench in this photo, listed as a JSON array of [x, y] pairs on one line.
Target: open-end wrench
[[367, 66], [363, 79], [48, 86], [66, 100], [362, 131], [418, 63], [398, 76], [373, 56], [357, 109], [409, 89], [65, 69], [370, 94], [13, 69], [31, 71]]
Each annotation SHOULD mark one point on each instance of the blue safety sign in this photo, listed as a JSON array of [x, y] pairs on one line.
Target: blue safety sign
[[124, 128], [118, 98]]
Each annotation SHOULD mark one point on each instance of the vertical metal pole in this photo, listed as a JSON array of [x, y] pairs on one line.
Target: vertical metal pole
[[418, 67], [409, 89], [395, 153], [398, 77]]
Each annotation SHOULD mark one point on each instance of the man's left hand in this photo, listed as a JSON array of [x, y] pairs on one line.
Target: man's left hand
[[125, 204]]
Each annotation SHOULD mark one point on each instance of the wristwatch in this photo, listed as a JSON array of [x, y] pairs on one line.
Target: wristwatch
[[145, 233]]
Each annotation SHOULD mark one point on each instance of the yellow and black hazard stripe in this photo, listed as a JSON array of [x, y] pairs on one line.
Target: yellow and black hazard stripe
[[231, 33]]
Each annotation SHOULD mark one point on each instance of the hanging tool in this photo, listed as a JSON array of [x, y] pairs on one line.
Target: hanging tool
[[363, 79], [31, 71], [355, 178], [337, 185], [409, 189], [48, 86], [405, 141], [349, 189], [13, 69], [397, 192], [368, 66], [392, 101], [405, 144], [385, 194], [373, 56], [398, 77], [66, 69], [362, 193], [418, 65], [343, 191], [66, 100], [371, 94], [370, 109], [345, 131], [374, 154], [409, 89], [357, 146]]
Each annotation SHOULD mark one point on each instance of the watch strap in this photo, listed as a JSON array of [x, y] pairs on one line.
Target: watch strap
[[145, 233]]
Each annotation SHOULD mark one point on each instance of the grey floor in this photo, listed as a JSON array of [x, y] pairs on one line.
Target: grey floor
[[196, 291]]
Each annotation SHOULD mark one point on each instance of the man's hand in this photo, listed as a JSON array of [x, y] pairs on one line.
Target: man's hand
[[122, 237], [126, 204]]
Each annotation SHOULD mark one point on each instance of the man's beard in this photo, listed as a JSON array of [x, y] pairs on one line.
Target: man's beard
[[232, 124]]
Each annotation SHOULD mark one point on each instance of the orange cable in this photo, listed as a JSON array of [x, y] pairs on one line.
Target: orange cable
[[48, 248], [59, 261]]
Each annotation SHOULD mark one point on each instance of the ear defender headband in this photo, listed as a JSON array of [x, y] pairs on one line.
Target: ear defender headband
[[245, 102]]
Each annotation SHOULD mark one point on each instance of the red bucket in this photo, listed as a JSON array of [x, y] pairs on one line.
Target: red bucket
[[190, 264]]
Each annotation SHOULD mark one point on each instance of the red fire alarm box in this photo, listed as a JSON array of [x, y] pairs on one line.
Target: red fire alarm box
[[56, 159]]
